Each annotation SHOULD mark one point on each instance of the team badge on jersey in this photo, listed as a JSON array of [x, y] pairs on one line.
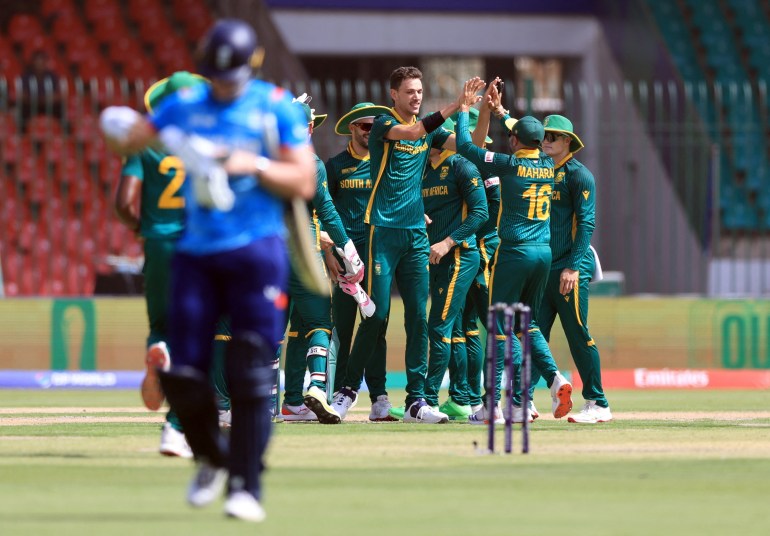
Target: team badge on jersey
[[444, 173], [559, 177]]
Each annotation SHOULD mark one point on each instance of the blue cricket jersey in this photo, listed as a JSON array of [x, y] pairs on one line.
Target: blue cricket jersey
[[261, 119]]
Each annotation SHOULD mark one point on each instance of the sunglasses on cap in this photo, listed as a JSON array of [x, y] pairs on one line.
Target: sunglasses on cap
[[553, 136], [366, 127]]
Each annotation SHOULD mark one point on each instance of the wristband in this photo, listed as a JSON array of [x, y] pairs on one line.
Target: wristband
[[432, 122]]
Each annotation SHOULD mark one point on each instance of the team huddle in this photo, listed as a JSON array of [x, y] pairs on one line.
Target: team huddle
[[429, 207], [419, 202]]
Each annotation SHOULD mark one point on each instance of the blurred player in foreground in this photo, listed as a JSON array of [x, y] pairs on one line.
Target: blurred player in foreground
[[245, 149], [149, 201]]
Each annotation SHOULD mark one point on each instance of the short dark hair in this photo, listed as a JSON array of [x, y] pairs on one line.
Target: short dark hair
[[403, 73]]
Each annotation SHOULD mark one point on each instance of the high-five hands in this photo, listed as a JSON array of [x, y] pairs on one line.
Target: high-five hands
[[469, 95]]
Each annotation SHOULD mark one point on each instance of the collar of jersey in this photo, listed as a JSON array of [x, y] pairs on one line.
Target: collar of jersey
[[565, 160], [354, 154], [401, 120], [528, 153], [446, 153]]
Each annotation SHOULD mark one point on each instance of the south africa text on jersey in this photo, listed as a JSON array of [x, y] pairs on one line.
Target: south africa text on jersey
[[350, 184]]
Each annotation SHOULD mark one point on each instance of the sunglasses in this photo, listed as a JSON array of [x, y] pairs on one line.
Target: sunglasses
[[552, 136], [366, 127]]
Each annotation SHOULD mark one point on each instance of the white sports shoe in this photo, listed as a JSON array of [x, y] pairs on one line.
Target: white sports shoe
[[561, 394], [243, 505], [420, 411], [533, 410], [174, 443], [518, 415], [315, 399], [207, 485], [344, 400], [297, 413], [481, 416], [591, 413], [381, 410]]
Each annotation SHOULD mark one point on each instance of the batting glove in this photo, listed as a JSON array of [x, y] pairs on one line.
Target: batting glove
[[209, 179], [116, 121]]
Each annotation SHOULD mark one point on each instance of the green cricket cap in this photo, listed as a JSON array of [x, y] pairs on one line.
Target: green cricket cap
[[562, 125], [168, 86]]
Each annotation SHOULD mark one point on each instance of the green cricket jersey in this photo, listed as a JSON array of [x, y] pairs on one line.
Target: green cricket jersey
[[397, 168], [350, 185], [453, 197], [526, 185], [323, 211], [573, 214], [162, 176], [492, 192]]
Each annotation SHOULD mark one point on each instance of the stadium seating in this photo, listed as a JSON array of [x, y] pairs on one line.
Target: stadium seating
[[726, 44], [58, 223]]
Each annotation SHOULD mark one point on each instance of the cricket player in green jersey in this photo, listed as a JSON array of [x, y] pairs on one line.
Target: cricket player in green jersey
[[455, 207], [149, 202], [523, 258], [467, 350], [350, 185], [397, 245], [573, 217], [310, 314]]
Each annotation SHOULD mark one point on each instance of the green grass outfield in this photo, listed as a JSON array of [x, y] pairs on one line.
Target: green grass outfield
[[672, 463]]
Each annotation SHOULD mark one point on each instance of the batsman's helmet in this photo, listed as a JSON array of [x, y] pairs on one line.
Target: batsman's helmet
[[228, 51]]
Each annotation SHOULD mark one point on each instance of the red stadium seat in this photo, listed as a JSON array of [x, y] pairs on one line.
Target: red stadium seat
[[141, 10], [42, 128], [30, 169], [15, 148], [58, 149], [152, 31], [57, 8], [95, 68], [67, 26], [95, 150], [86, 128], [10, 70], [110, 170], [7, 124], [22, 27], [27, 283], [124, 49], [80, 48], [97, 11], [138, 68], [110, 30]]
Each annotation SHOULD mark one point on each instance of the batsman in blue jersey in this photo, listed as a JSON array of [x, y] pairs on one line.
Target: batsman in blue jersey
[[245, 149]]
